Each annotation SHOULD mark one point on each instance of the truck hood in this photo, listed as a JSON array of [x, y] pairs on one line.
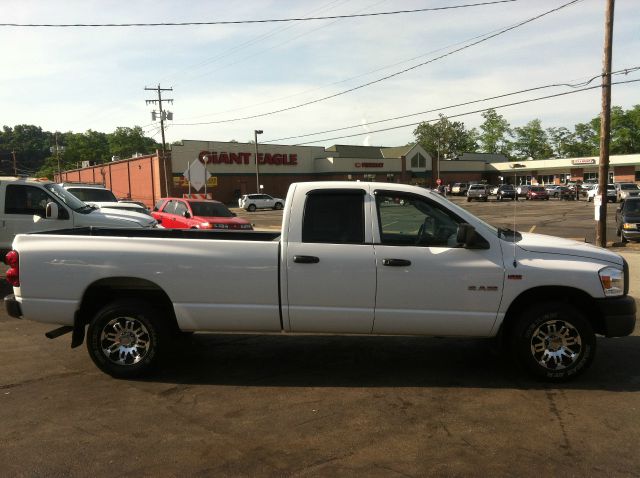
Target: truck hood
[[117, 218], [543, 244]]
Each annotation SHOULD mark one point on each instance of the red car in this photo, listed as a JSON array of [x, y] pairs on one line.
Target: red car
[[177, 213], [537, 192]]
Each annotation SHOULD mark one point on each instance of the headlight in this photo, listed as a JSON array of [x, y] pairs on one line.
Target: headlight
[[203, 225], [629, 226], [612, 281]]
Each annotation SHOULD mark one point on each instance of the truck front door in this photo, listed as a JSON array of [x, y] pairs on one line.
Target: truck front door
[[427, 283], [329, 264]]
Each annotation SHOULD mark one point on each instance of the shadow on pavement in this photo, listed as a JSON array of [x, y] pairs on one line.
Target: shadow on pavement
[[335, 361]]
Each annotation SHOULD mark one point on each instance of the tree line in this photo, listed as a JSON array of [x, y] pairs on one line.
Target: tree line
[[37, 152], [495, 135]]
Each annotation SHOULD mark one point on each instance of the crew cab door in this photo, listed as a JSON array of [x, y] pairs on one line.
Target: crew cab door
[[24, 212], [329, 263], [427, 283]]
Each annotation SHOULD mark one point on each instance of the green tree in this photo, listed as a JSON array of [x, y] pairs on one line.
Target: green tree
[[531, 141], [90, 146], [31, 146], [125, 142], [559, 139], [445, 138], [495, 133], [583, 141]]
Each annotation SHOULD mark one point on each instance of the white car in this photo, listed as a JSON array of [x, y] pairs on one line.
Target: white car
[[251, 202], [626, 190], [102, 197], [593, 192]]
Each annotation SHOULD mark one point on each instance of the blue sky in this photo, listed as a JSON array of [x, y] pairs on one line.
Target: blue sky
[[94, 78]]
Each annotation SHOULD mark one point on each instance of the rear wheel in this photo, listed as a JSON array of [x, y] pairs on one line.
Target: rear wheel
[[553, 341], [468, 199], [278, 206], [126, 338], [251, 208]]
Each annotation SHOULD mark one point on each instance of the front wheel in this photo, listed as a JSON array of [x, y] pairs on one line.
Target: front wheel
[[553, 341], [126, 338]]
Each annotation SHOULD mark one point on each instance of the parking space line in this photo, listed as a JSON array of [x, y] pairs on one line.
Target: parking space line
[[532, 228]]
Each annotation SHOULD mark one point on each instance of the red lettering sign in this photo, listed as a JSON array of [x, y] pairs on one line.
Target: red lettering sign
[[277, 159]]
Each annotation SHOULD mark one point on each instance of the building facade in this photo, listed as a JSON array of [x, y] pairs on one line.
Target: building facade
[[232, 169]]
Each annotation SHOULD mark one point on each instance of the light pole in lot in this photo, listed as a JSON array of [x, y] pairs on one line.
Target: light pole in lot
[[256, 132]]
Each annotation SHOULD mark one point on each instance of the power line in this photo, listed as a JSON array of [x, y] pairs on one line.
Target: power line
[[241, 22], [466, 103], [318, 100], [531, 100]]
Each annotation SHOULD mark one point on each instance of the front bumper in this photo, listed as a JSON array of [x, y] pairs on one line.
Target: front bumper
[[618, 316], [13, 306]]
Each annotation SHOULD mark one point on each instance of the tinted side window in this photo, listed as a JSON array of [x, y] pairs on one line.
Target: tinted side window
[[336, 218], [26, 200], [170, 207], [181, 208]]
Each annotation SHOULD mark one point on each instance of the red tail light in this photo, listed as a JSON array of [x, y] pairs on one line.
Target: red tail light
[[12, 259]]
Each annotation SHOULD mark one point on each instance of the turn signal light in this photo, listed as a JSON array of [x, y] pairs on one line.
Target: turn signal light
[[12, 259]]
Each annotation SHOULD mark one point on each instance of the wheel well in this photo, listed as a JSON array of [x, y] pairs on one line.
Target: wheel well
[[104, 291], [569, 295]]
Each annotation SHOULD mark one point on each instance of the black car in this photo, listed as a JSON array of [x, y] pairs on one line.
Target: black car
[[628, 220], [506, 191]]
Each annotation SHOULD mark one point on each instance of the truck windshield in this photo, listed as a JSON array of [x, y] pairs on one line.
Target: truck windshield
[[66, 197], [93, 194]]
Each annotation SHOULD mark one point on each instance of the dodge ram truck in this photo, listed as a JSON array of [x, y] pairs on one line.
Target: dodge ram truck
[[351, 258]]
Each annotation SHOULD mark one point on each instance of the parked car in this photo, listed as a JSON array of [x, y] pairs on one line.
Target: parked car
[[506, 191], [460, 189], [628, 219], [32, 205], [178, 213], [480, 192], [560, 192], [251, 202], [537, 192], [102, 197], [348, 260], [611, 193], [626, 190]]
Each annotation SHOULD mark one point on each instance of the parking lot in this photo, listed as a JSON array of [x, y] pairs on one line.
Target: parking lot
[[248, 405]]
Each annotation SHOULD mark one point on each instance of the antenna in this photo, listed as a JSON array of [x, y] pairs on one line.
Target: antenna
[[515, 166]]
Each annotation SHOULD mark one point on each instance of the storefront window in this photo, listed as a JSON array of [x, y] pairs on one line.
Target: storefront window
[[369, 177]]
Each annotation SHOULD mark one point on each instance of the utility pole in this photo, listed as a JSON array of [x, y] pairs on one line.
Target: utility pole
[[605, 127], [163, 115], [15, 169]]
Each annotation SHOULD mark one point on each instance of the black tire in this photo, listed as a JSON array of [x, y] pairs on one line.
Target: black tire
[[485, 199], [278, 206], [115, 326], [553, 341], [251, 208], [468, 199]]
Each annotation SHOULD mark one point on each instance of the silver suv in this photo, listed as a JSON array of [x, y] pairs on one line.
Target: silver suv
[[478, 191]]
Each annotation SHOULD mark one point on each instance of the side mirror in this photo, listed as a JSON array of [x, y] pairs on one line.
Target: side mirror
[[469, 238], [52, 211], [187, 214]]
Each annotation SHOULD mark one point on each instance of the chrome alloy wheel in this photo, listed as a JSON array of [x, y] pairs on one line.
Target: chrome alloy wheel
[[125, 341], [556, 344]]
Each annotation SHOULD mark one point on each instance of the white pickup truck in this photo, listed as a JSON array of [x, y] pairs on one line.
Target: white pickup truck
[[352, 258]]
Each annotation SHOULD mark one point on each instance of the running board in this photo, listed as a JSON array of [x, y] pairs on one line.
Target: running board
[[55, 333]]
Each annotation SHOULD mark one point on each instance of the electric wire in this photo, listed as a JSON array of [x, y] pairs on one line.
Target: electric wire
[[515, 103], [624, 71], [244, 22], [318, 100]]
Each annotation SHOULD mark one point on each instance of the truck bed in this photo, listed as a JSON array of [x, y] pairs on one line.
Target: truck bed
[[167, 233]]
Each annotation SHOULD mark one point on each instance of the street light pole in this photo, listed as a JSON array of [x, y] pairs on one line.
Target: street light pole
[[255, 135]]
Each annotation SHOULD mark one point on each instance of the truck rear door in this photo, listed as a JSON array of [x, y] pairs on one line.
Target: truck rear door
[[329, 263]]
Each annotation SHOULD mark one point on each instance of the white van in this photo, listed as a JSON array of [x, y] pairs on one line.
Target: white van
[[31, 205]]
